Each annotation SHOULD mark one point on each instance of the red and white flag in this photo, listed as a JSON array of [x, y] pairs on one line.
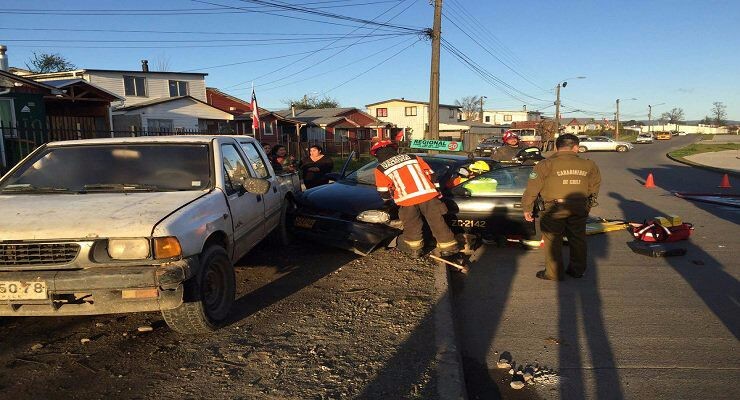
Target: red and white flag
[[255, 114]]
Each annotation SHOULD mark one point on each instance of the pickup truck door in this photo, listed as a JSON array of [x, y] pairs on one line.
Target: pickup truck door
[[262, 168], [247, 209]]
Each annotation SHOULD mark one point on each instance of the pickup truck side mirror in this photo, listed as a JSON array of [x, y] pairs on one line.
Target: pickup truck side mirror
[[256, 185]]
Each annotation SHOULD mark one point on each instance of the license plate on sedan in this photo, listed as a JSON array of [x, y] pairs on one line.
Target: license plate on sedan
[[17, 290], [303, 222]]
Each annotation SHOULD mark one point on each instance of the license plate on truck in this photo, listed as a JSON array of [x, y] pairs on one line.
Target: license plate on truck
[[17, 290]]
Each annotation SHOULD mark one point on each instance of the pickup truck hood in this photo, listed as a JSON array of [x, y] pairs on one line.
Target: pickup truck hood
[[92, 215]]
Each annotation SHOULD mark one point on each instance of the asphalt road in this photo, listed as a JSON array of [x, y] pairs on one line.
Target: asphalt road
[[634, 326]]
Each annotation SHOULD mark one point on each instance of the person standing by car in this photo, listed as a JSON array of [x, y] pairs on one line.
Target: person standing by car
[[315, 167], [509, 150], [281, 161], [407, 179], [569, 186]]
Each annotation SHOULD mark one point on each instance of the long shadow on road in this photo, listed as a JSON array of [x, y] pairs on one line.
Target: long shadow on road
[[719, 290]]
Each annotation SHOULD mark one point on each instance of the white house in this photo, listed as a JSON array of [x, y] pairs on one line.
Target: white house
[[506, 117], [411, 116], [170, 114], [150, 88]]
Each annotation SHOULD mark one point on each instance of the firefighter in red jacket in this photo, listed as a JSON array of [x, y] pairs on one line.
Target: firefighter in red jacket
[[406, 179]]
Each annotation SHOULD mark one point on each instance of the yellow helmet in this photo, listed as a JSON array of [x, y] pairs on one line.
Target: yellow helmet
[[479, 167]]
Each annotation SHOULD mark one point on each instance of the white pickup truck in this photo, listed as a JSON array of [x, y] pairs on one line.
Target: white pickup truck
[[137, 224]]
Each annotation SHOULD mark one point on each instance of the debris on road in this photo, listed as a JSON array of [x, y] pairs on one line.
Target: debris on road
[[37, 346], [517, 385], [145, 328], [85, 340]]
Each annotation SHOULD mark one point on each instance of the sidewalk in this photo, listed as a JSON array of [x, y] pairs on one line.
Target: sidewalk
[[727, 159]]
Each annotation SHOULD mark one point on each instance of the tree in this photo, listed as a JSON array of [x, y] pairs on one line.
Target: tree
[[546, 129], [162, 63], [309, 102], [674, 116], [470, 106], [48, 62], [719, 111], [706, 121]]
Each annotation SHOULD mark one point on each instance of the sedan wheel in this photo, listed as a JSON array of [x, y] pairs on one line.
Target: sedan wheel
[[582, 149], [621, 149]]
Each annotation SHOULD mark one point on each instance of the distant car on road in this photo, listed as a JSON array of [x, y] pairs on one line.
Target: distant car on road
[[644, 138], [486, 147], [602, 143], [663, 136]]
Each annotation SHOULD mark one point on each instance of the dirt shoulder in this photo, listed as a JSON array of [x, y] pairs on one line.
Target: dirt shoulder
[[310, 323]]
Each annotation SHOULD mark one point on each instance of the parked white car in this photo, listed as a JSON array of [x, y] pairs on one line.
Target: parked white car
[[602, 143], [137, 224], [644, 138]]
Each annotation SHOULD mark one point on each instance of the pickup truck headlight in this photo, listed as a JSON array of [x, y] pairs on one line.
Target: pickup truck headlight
[[128, 249], [167, 247], [374, 217]]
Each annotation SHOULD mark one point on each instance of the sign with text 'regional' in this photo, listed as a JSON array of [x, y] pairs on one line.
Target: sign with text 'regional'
[[443, 145]]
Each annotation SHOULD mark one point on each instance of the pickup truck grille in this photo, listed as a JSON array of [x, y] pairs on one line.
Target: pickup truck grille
[[38, 253]]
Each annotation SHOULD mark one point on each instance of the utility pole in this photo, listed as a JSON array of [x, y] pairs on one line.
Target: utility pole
[[481, 107], [616, 129], [557, 109], [650, 119], [434, 77]]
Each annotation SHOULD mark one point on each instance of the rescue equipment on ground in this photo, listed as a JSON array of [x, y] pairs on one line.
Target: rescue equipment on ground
[[656, 249], [662, 229], [604, 225], [723, 199]]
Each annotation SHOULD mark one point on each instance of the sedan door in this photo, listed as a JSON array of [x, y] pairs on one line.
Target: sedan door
[[492, 202]]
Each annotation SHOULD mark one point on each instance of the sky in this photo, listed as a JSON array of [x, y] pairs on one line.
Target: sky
[[665, 53]]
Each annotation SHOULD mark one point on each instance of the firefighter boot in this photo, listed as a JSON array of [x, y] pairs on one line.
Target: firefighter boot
[[412, 248], [447, 249]]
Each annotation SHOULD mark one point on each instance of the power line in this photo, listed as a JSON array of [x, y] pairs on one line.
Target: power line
[[171, 32], [276, 40], [371, 68], [326, 58]]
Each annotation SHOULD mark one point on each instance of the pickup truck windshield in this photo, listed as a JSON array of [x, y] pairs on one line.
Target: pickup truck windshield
[[113, 168]]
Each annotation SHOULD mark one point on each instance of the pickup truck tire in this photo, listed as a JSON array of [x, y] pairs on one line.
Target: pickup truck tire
[[582, 149], [622, 149], [208, 295], [281, 235]]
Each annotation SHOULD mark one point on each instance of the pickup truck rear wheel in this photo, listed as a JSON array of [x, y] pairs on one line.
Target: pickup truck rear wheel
[[208, 295], [281, 235]]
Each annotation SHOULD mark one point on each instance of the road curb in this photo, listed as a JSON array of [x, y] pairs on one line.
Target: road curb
[[450, 379], [702, 166]]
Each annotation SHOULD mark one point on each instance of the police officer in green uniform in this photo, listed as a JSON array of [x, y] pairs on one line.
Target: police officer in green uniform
[[569, 186]]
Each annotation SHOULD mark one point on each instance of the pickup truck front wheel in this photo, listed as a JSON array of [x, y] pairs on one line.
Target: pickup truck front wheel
[[282, 235], [208, 295]]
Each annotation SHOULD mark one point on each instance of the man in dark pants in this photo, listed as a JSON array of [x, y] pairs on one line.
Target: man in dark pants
[[569, 186], [406, 179]]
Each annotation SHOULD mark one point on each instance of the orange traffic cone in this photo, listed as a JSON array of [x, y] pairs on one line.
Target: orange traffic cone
[[725, 182], [649, 182]]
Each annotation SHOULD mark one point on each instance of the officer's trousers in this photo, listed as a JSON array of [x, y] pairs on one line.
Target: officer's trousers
[[567, 219], [433, 211]]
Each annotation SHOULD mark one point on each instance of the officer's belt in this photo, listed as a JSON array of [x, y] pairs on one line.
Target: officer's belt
[[566, 201]]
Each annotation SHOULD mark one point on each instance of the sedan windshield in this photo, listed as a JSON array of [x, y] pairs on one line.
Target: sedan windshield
[[113, 168]]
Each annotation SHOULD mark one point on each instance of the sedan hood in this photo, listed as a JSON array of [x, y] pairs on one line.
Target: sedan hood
[[92, 215], [346, 197]]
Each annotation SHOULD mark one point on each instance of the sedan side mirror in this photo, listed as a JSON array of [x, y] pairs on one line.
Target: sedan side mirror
[[256, 185]]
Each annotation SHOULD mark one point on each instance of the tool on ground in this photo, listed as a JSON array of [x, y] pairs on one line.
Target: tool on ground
[[604, 225], [459, 267], [650, 181], [725, 184]]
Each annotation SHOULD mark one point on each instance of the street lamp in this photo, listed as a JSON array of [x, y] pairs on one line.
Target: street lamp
[[481, 107], [650, 116], [616, 117], [562, 83]]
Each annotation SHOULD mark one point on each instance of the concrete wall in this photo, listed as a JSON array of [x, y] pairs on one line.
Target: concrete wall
[[705, 130]]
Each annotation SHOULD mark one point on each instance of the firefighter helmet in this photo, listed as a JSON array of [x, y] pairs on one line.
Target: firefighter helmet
[[510, 135], [380, 144], [479, 167]]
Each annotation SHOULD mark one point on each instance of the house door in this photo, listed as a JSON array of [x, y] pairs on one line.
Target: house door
[[7, 119]]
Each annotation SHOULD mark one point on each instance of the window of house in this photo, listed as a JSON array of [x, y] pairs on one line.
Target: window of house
[[507, 117], [488, 118], [178, 88], [134, 86], [267, 128], [381, 112], [410, 111], [159, 125], [453, 113]]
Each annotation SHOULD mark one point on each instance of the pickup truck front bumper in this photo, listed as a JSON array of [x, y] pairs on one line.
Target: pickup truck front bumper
[[103, 290]]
